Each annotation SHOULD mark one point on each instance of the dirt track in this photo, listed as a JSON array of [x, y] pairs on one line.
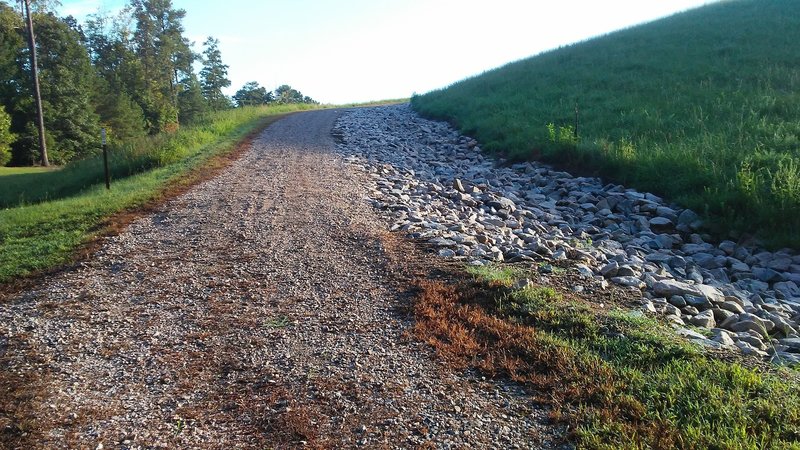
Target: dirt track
[[265, 307]]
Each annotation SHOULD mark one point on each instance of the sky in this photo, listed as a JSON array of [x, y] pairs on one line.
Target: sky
[[343, 51]]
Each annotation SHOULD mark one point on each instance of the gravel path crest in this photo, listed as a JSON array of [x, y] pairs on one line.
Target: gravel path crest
[[260, 308]]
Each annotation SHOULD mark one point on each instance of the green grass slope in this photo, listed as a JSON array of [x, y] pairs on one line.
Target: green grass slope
[[702, 107]]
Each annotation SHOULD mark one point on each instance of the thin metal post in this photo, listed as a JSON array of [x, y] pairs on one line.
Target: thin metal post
[[576, 121], [105, 157]]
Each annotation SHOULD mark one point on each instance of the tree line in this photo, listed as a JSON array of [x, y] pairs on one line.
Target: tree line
[[131, 72]]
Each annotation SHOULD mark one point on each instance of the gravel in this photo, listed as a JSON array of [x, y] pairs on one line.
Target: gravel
[[436, 185], [262, 307]]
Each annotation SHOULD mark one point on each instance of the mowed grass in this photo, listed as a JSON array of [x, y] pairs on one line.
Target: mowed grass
[[702, 107], [42, 235], [6, 171], [621, 380]]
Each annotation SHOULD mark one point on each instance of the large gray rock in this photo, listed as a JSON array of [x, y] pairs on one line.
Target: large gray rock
[[442, 242], [610, 269], [629, 281], [766, 323], [780, 263], [677, 300], [749, 325], [705, 319], [731, 306], [720, 314], [668, 288], [502, 203], [748, 349], [785, 358], [729, 247], [700, 303], [688, 217], [752, 340], [660, 224], [724, 338], [766, 274], [793, 344]]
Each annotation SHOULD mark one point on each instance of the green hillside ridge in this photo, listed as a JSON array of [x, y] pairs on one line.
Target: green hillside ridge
[[702, 107]]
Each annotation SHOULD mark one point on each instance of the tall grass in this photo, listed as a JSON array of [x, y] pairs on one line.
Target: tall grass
[[75, 204], [703, 107]]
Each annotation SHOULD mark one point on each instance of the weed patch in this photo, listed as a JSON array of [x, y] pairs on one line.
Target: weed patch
[[618, 378]]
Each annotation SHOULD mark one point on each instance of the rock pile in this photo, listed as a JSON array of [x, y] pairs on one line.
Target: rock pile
[[438, 186]]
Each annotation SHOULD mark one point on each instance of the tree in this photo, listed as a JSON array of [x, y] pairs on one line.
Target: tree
[[119, 114], [287, 94], [119, 81], [252, 94], [214, 76], [11, 44], [166, 59], [6, 137], [67, 80], [191, 102]]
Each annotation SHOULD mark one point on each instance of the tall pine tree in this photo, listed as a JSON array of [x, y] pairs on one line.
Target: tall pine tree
[[214, 76], [119, 84], [166, 59], [191, 101]]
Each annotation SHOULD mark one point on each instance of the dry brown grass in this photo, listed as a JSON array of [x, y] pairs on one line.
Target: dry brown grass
[[20, 392], [454, 320]]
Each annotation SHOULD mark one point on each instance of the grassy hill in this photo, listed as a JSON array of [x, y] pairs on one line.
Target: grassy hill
[[702, 107]]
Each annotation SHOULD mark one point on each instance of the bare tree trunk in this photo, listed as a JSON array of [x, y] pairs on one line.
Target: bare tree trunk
[[36, 90]]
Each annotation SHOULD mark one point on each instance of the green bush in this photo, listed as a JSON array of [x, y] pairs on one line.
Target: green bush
[[6, 137]]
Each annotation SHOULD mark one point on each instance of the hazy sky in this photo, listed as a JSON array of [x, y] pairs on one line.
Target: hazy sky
[[340, 51]]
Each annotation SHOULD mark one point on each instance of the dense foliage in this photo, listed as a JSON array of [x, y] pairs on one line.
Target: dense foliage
[[6, 137], [252, 94], [214, 76], [703, 107], [131, 73]]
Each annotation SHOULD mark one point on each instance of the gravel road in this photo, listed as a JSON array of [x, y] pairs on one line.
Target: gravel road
[[263, 308]]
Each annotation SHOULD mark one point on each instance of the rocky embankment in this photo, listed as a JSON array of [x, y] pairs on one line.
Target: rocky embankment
[[437, 186]]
